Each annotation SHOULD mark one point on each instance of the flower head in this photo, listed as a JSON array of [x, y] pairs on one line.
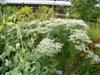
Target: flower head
[[48, 47]]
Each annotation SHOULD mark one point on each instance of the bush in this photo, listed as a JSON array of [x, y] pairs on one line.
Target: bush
[[28, 13], [44, 13], [85, 9], [40, 48], [22, 14]]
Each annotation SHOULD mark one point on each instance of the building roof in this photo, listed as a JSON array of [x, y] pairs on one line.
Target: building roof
[[38, 2]]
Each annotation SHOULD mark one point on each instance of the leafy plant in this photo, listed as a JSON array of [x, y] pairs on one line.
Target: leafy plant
[[40, 48], [44, 13], [28, 13], [22, 14], [85, 9]]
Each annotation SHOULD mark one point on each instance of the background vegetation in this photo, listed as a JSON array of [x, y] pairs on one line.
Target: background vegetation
[[23, 28]]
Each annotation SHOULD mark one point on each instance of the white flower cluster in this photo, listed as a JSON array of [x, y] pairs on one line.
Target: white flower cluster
[[79, 36], [76, 32], [46, 26], [48, 47], [71, 23], [81, 39], [95, 58]]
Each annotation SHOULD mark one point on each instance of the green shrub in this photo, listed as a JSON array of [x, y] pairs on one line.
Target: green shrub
[[44, 13], [85, 9], [40, 48], [28, 13], [22, 14], [5, 12], [0, 15]]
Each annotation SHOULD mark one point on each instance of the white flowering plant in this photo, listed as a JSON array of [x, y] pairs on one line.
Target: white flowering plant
[[48, 47], [40, 48]]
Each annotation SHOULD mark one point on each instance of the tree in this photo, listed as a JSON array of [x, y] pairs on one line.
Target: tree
[[86, 9]]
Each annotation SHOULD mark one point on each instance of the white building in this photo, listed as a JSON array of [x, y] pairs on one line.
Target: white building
[[38, 2]]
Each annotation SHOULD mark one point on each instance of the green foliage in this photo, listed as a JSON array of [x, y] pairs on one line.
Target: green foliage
[[23, 33], [28, 13], [12, 14], [44, 13], [5, 11], [19, 56], [85, 9], [24, 48], [0, 15], [94, 33], [22, 14]]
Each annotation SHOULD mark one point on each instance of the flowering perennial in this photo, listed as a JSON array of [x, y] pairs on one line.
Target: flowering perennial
[[77, 33], [48, 47], [33, 40]]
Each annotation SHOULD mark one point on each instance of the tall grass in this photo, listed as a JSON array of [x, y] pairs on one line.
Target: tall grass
[[94, 33]]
